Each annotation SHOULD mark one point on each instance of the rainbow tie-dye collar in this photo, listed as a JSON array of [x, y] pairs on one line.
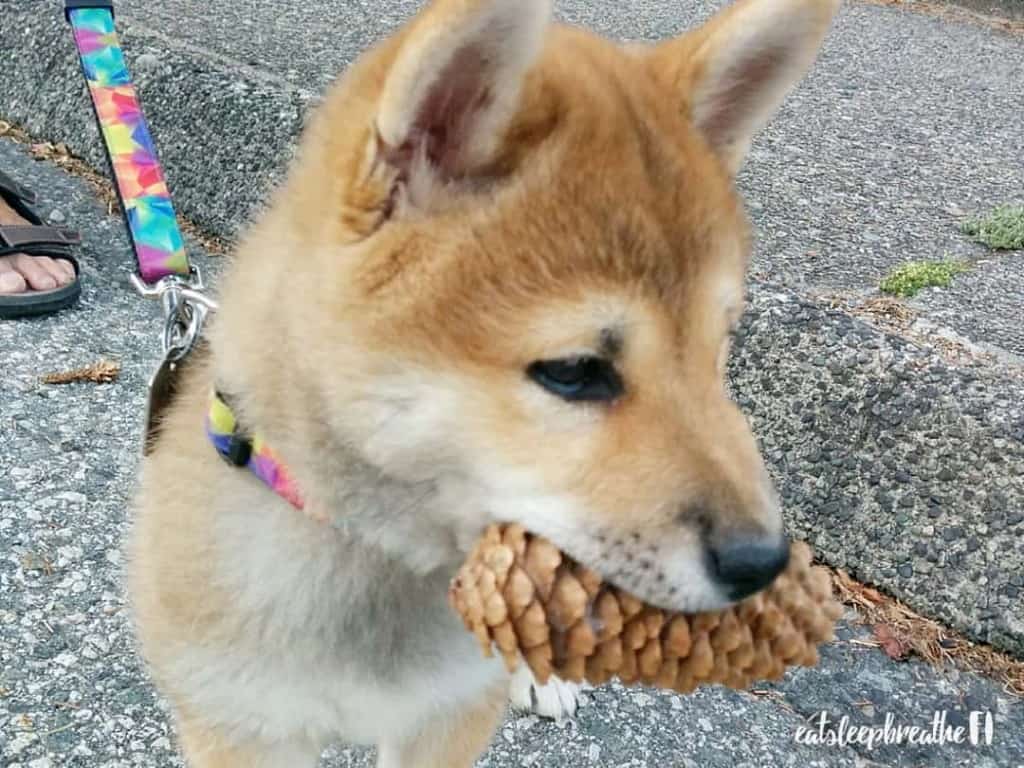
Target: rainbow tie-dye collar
[[244, 450]]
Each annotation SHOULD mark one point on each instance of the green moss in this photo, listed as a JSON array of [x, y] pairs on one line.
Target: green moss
[[907, 279], [1002, 229]]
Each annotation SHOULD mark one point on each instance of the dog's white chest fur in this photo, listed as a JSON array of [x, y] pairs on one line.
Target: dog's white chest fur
[[329, 639]]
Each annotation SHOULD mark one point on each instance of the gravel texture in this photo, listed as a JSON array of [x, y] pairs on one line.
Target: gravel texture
[[902, 468], [895, 463]]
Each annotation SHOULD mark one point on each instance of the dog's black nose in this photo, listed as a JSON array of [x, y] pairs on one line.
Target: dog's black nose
[[745, 564]]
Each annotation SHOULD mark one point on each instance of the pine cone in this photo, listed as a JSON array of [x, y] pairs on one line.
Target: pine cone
[[519, 592]]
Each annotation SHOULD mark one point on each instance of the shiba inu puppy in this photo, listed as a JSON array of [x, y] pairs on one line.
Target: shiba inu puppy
[[498, 284]]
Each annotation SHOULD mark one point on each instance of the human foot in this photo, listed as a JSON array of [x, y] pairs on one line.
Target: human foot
[[21, 272], [38, 274]]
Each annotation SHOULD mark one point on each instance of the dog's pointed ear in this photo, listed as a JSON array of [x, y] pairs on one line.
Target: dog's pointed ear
[[455, 84], [733, 73]]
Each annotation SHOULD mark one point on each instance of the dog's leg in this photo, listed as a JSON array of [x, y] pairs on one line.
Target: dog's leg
[[206, 747], [557, 699], [454, 740]]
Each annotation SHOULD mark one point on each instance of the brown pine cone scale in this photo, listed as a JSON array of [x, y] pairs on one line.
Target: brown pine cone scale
[[518, 592]]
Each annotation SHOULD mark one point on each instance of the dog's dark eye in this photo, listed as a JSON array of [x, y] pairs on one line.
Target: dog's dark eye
[[578, 378]]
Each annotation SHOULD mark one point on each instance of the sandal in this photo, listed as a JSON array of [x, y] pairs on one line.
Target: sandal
[[35, 239]]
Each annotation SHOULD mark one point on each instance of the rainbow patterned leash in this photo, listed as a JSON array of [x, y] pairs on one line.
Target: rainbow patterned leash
[[153, 226], [164, 271]]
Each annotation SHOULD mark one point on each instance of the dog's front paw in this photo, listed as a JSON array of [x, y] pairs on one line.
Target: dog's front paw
[[557, 699]]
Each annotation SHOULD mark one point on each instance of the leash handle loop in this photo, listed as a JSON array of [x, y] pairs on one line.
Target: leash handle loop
[[70, 5]]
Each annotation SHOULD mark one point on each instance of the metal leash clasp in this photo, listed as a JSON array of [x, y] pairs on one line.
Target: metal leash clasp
[[185, 307]]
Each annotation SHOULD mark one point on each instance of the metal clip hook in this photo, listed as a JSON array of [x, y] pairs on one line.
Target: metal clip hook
[[185, 306]]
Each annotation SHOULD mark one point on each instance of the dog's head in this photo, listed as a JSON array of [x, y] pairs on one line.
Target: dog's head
[[526, 256]]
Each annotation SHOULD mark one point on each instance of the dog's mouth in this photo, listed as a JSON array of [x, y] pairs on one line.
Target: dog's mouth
[[681, 572], [688, 565], [682, 586], [670, 574]]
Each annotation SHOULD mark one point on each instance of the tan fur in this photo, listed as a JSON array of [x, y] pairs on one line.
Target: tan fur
[[376, 327], [452, 739], [207, 747]]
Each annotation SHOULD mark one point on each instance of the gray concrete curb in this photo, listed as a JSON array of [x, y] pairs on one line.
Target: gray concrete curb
[[894, 464]]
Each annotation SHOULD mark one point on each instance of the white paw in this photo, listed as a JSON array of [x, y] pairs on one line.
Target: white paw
[[557, 699]]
